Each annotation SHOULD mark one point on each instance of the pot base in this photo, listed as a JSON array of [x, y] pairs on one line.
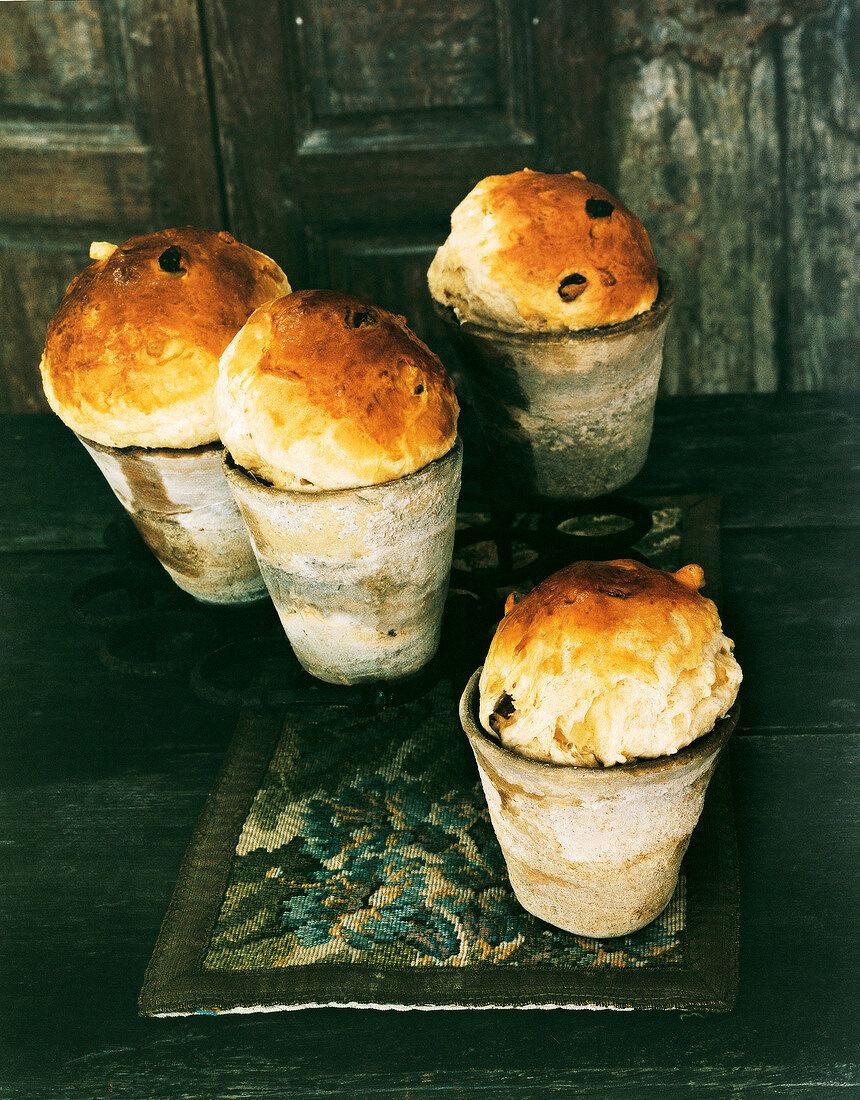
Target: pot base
[[614, 905]]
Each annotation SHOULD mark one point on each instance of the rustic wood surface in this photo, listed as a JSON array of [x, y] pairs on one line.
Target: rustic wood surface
[[822, 161], [734, 138], [103, 777], [338, 138]]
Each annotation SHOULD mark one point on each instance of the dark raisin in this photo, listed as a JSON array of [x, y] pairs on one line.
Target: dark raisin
[[571, 286], [392, 633], [171, 260], [502, 711], [505, 706], [598, 208], [419, 388], [356, 320]]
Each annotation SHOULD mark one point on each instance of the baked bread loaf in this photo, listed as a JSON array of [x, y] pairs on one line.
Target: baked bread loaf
[[321, 390], [608, 662], [534, 252], [131, 356]]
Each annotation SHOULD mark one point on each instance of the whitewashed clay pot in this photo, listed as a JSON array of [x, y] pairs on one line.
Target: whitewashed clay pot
[[566, 415], [595, 851], [182, 506], [358, 576]]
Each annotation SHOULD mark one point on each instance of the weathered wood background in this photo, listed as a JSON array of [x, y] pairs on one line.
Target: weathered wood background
[[338, 136]]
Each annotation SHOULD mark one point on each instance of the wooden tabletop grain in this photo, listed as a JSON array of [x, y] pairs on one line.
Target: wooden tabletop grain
[[102, 777]]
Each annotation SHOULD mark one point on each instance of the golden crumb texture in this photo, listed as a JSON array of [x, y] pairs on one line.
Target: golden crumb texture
[[321, 390], [606, 663], [539, 252], [131, 356]]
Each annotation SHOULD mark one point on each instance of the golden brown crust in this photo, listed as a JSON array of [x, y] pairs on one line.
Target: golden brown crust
[[532, 251], [608, 661], [322, 390], [131, 356], [599, 598]]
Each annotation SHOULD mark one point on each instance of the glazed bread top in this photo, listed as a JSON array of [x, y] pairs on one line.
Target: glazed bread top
[[535, 252], [608, 662], [321, 390], [131, 356]]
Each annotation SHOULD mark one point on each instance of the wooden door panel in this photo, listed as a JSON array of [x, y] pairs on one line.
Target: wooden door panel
[[56, 62], [96, 174], [69, 150], [387, 74], [370, 58], [380, 116]]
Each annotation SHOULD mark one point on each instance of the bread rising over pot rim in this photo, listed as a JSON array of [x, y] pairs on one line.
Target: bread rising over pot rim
[[254, 484], [323, 391], [544, 252], [604, 663], [133, 449], [651, 318], [644, 766]]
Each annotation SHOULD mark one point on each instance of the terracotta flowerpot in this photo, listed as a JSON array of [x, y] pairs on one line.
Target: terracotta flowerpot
[[358, 576], [595, 851], [565, 415], [184, 510]]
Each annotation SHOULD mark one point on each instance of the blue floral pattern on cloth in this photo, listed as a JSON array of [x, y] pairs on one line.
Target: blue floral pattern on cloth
[[369, 842]]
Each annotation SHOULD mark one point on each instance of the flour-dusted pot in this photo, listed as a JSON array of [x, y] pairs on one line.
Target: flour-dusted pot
[[566, 415], [182, 506], [595, 851], [358, 576]]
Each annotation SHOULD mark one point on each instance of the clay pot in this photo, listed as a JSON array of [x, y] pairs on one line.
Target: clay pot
[[358, 576], [595, 851], [184, 510], [565, 416]]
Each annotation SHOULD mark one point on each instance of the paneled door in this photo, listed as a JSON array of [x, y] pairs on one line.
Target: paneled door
[[105, 131], [349, 129]]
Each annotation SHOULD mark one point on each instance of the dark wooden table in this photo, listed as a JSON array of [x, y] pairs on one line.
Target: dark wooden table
[[103, 776]]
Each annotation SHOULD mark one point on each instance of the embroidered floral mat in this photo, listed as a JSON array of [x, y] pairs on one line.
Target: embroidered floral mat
[[347, 859]]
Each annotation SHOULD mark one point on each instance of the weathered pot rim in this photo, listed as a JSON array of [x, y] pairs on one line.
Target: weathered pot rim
[[145, 452], [651, 318], [707, 745], [254, 485]]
